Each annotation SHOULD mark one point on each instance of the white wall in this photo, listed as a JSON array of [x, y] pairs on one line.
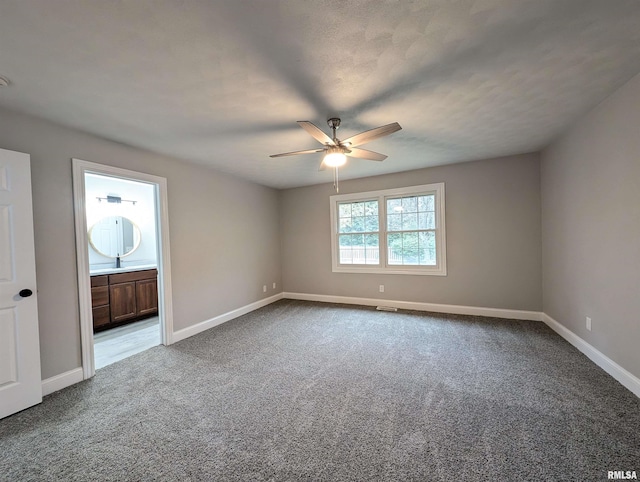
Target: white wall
[[225, 241], [142, 213], [591, 227]]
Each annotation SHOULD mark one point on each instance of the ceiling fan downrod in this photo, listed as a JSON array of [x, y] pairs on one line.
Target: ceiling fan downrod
[[334, 125]]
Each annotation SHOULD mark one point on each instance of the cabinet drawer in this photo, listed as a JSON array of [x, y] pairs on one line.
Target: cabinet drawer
[[101, 316], [102, 280], [133, 276], [99, 296]]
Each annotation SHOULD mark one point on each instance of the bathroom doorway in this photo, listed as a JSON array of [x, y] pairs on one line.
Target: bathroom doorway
[[123, 270]]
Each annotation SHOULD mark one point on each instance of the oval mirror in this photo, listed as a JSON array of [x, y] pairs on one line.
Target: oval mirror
[[114, 236]]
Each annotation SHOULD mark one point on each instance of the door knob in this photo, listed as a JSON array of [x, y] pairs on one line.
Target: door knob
[[25, 293]]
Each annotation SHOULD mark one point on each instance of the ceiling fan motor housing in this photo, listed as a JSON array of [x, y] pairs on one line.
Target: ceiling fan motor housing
[[334, 122]]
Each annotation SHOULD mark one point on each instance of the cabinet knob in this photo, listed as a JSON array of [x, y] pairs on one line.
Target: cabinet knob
[[25, 293]]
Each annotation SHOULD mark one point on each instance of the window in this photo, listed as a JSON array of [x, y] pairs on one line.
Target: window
[[411, 230], [359, 238], [395, 231]]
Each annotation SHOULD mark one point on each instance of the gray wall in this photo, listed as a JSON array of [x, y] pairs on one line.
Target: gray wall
[[225, 242], [591, 227], [493, 237]]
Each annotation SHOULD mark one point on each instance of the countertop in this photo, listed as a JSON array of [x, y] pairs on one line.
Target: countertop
[[126, 269]]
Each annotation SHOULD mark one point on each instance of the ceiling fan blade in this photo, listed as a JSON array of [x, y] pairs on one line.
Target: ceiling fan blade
[[295, 153], [365, 154], [371, 135], [316, 133]]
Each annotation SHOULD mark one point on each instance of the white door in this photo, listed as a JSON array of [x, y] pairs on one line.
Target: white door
[[20, 381]]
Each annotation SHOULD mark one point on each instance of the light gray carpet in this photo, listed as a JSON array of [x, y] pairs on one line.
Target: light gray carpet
[[300, 390]]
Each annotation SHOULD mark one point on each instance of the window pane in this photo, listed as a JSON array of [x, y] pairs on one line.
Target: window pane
[[345, 225], [371, 240], [426, 221], [372, 249], [359, 249], [358, 217], [394, 222], [409, 204], [371, 208], [394, 248], [358, 224], [427, 240], [344, 240], [371, 223], [394, 206], [409, 221], [427, 257], [431, 220], [345, 210], [345, 252], [422, 221], [411, 248], [410, 254], [426, 203]]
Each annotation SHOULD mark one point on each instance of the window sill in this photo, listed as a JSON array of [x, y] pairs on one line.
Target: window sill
[[378, 270]]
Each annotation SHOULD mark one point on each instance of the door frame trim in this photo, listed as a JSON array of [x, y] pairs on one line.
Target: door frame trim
[[165, 305]]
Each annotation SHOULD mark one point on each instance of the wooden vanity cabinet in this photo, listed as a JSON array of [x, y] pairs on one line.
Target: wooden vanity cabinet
[[130, 297]]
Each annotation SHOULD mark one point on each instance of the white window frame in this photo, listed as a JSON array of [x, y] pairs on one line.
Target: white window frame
[[440, 268]]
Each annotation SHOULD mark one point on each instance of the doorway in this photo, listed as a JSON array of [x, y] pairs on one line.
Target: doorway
[[122, 239]]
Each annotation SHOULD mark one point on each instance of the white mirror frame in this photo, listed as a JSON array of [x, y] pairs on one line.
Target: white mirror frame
[[136, 245]]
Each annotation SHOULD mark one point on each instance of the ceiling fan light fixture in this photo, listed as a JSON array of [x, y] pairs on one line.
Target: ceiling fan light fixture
[[335, 158]]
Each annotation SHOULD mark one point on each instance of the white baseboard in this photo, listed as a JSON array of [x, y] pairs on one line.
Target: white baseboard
[[218, 320], [627, 379], [410, 305], [61, 381]]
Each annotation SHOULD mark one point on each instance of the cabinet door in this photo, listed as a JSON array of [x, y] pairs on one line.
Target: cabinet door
[[147, 296], [123, 301]]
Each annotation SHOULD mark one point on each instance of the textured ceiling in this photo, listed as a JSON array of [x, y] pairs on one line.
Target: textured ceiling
[[222, 83]]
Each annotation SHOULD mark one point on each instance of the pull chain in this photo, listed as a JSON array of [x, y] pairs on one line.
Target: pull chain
[[335, 179]]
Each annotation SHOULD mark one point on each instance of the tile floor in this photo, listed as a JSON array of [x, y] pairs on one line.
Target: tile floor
[[119, 343]]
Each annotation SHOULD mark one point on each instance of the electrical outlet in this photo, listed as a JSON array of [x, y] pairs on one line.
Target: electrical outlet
[[274, 285], [588, 323], [381, 288], [264, 288]]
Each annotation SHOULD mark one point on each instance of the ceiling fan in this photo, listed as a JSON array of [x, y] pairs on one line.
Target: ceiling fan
[[336, 150]]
